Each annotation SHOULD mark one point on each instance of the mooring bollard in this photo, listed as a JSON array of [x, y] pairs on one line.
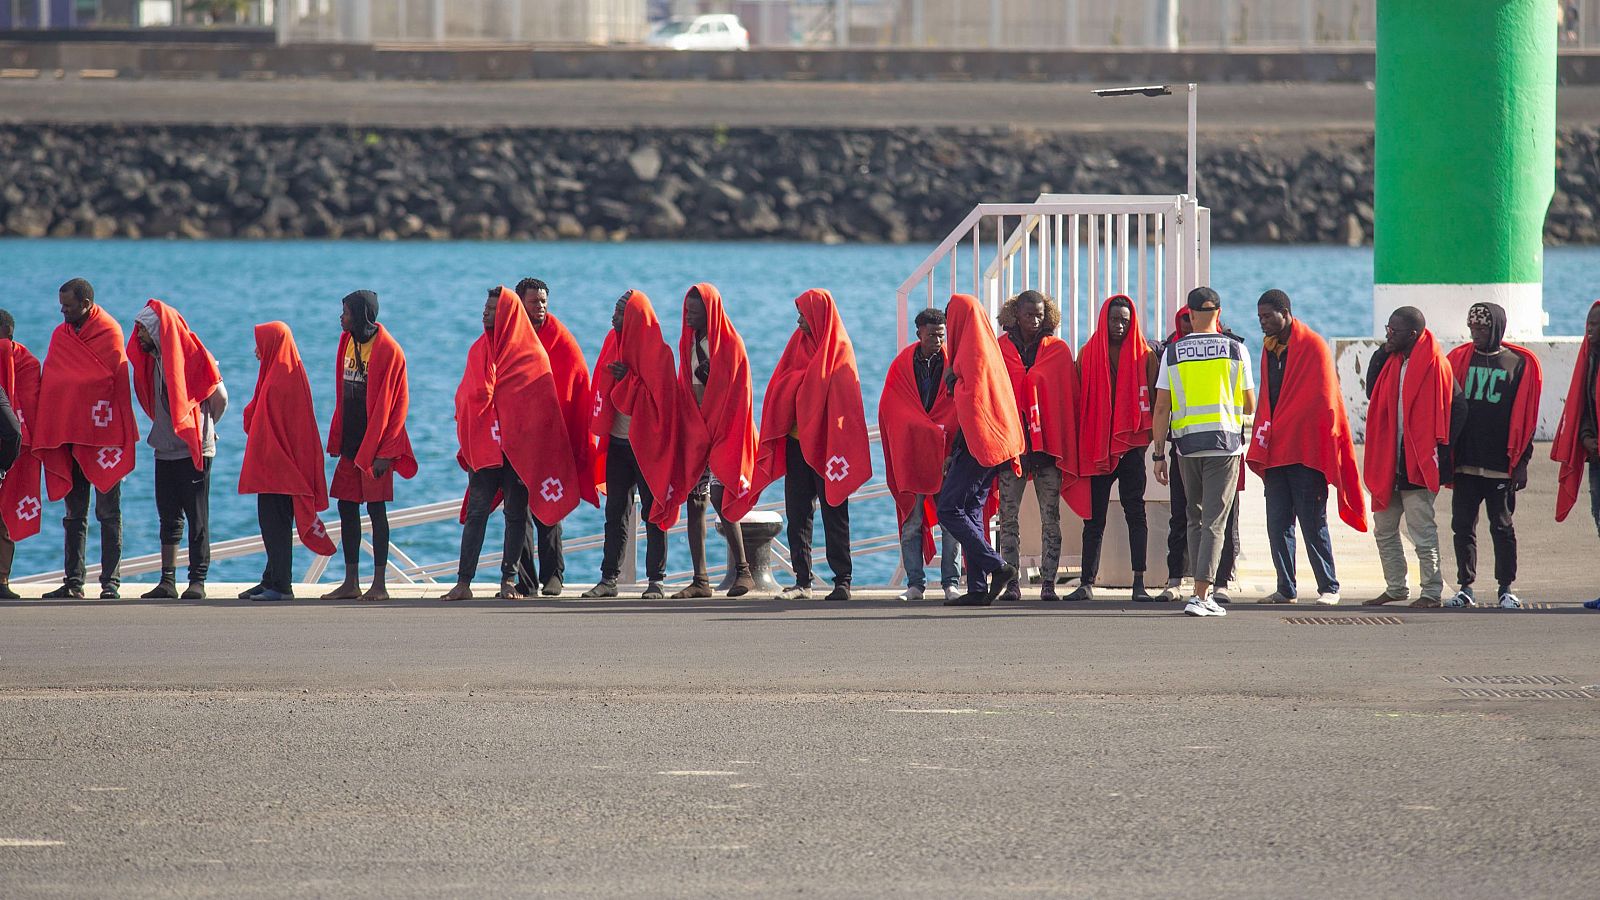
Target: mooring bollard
[[758, 529]]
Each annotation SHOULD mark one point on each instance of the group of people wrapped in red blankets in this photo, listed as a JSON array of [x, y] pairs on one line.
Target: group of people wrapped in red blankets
[[968, 417]]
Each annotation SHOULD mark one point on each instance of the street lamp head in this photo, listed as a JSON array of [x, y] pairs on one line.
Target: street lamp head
[[1150, 90]]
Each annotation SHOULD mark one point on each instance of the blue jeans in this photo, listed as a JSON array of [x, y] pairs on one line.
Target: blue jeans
[[1299, 493], [966, 487], [911, 552]]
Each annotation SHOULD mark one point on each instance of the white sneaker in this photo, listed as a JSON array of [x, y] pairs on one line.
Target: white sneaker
[[1509, 600], [1329, 599], [1206, 607], [1276, 597], [952, 591], [795, 592], [1463, 598], [911, 594]]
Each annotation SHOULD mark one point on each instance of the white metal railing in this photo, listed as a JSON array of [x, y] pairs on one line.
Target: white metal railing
[[402, 567], [1076, 248]]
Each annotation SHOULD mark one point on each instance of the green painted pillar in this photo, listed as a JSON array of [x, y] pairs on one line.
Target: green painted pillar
[[1465, 146]]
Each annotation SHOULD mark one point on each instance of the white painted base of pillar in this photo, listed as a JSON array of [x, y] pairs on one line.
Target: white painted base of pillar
[[1557, 355], [1445, 306]]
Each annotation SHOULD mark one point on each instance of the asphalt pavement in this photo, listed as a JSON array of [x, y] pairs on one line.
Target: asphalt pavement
[[634, 748], [1227, 111]]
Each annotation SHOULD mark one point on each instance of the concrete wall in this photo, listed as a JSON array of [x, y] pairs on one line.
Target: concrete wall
[[1556, 354]]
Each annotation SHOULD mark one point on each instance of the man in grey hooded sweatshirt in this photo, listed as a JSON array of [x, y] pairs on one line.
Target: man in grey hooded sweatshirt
[[182, 491]]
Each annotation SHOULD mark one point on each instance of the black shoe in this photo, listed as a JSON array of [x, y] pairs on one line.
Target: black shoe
[[970, 599], [110, 593], [6, 593], [65, 593], [196, 591], [1084, 592], [552, 588], [999, 580], [268, 595], [251, 592], [1012, 593], [603, 589], [839, 594], [166, 590], [655, 590]]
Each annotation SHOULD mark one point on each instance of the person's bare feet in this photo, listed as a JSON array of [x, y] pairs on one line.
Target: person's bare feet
[[347, 591], [508, 591], [375, 594], [462, 591]]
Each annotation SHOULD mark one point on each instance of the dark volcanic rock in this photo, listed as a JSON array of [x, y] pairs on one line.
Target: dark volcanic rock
[[806, 184]]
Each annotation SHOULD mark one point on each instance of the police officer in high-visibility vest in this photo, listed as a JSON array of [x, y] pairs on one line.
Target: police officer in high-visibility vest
[[1204, 393]]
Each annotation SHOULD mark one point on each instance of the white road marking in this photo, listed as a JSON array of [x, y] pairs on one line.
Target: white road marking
[[697, 772], [29, 842], [101, 790]]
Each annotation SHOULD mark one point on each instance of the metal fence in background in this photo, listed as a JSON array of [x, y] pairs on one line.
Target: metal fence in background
[[906, 24]]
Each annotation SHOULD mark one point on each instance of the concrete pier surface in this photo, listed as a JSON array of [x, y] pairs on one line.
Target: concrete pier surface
[[1233, 111], [748, 747]]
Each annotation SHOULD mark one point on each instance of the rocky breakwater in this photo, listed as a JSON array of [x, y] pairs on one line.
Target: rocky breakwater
[[809, 185]]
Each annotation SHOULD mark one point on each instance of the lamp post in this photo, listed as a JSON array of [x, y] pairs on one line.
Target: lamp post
[[1165, 90]]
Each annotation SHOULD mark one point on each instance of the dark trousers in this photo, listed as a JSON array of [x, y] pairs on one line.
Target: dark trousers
[[803, 490], [184, 493], [1500, 502], [967, 483], [543, 558], [275, 513], [1129, 477], [1298, 493], [482, 486], [350, 537], [108, 512], [1178, 532], [622, 479]]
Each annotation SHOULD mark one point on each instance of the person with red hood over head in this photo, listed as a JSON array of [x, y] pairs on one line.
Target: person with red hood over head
[[180, 388], [1300, 445], [88, 437], [1178, 505], [916, 417], [283, 462], [543, 566], [814, 436], [1500, 383], [505, 407], [1413, 410], [988, 440], [1577, 443], [639, 403], [714, 369], [1116, 375], [368, 435], [21, 505]]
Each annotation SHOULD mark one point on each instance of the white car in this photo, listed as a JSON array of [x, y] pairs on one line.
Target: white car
[[715, 32]]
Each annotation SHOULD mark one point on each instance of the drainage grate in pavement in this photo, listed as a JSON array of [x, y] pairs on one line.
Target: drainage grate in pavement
[[1527, 694], [1506, 679], [1344, 620]]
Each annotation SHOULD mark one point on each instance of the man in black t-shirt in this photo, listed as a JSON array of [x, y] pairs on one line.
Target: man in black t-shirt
[[1500, 383]]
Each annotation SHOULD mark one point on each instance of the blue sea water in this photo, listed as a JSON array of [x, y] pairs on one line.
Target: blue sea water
[[432, 296]]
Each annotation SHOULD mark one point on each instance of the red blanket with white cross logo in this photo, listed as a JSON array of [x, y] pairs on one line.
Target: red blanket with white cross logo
[[85, 386], [1047, 401], [815, 393], [21, 503], [1305, 424], [529, 415]]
